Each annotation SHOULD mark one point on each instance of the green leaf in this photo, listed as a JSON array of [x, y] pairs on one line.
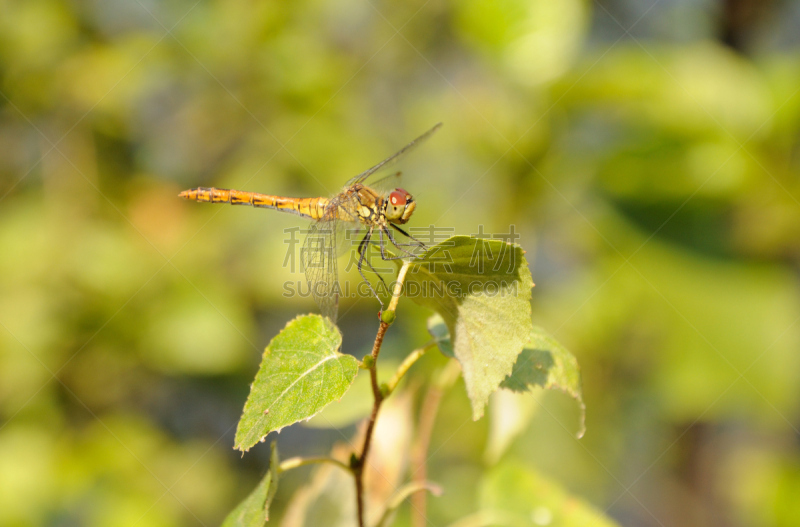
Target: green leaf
[[547, 364], [301, 373], [274, 465], [535, 500], [250, 512], [441, 335], [253, 511], [482, 290]]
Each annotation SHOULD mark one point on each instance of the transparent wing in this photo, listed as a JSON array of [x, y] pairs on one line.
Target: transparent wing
[[318, 256], [387, 184], [347, 226], [327, 239], [389, 161]]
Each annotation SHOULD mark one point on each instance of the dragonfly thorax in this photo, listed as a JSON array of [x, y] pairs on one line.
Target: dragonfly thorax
[[399, 206]]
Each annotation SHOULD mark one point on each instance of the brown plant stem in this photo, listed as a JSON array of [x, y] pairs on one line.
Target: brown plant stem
[[359, 462]]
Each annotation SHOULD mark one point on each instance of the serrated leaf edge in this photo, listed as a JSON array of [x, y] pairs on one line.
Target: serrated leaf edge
[[337, 354]]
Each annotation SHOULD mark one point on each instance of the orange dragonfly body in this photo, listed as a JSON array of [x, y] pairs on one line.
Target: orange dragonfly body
[[357, 208], [313, 208]]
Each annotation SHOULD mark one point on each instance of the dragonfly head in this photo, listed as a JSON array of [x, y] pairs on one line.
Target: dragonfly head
[[399, 206]]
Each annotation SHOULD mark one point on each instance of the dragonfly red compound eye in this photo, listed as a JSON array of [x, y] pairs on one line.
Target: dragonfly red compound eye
[[398, 197]]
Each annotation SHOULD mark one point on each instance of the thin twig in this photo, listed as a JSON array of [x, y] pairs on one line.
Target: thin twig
[[405, 491], [376, 350], [398, 286], [427, 418], [295, 462], [409, 361], [359, 462]]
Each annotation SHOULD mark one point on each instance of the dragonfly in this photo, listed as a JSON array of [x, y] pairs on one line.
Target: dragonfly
[[373, 210]]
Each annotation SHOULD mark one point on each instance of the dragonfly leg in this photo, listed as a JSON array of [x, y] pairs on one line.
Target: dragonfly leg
[[398, 245], [362, 253], [391, 238], [362, 247], [404, 233]]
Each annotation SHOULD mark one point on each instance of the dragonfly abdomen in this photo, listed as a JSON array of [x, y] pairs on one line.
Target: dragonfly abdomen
[[313, 208]]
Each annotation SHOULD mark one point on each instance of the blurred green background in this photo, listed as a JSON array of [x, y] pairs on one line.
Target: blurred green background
[[646, 151]]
